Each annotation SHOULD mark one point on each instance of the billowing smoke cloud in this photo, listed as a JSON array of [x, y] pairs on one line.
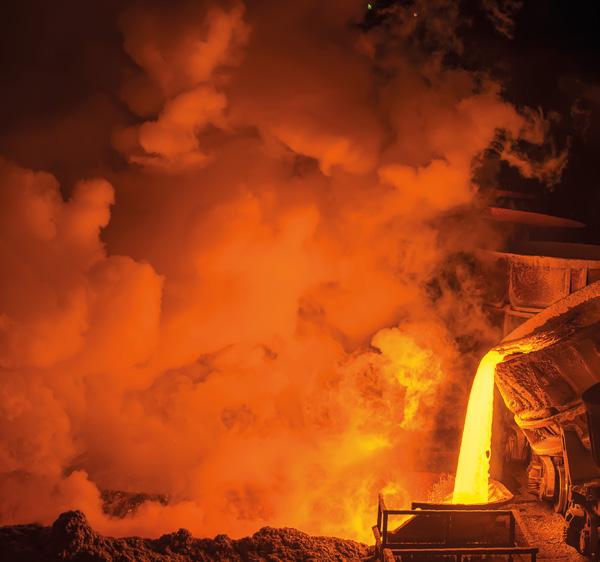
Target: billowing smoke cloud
[[241, 316]]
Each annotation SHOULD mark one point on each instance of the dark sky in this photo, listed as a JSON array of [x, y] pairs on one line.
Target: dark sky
[[553, 64], [63, 60]]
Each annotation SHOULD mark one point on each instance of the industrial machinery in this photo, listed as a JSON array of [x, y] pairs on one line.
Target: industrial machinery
[[550, 380], [551, 384], [542, 292]]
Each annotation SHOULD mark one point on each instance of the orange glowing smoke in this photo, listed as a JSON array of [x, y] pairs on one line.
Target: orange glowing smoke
[[473, 472], [240, 315]]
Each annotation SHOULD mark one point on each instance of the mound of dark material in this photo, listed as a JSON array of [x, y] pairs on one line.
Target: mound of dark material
[[72, 538]]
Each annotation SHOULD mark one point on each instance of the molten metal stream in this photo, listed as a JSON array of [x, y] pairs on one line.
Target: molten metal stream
[[473, 472]]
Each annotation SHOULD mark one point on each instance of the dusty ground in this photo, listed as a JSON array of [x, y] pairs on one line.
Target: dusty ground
[[543, 528], [540, 525], [71, 538]]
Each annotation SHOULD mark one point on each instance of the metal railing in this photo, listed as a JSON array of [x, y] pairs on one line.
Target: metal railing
[[445, 539]]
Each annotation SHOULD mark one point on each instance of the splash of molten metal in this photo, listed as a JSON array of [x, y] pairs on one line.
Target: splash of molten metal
[[473, 472]]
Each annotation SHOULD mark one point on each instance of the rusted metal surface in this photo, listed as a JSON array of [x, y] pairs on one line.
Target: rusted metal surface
[[531, 218], [531, 276], [543, 387], [553, 360]]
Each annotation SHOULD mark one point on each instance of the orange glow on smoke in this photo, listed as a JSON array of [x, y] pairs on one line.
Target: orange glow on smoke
[[256, 312], [473, 472]]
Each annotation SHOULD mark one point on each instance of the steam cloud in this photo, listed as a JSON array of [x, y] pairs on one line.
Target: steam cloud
[[239, 314]]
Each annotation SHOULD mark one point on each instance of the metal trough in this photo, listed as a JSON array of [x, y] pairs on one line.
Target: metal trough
[[443, 532]]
